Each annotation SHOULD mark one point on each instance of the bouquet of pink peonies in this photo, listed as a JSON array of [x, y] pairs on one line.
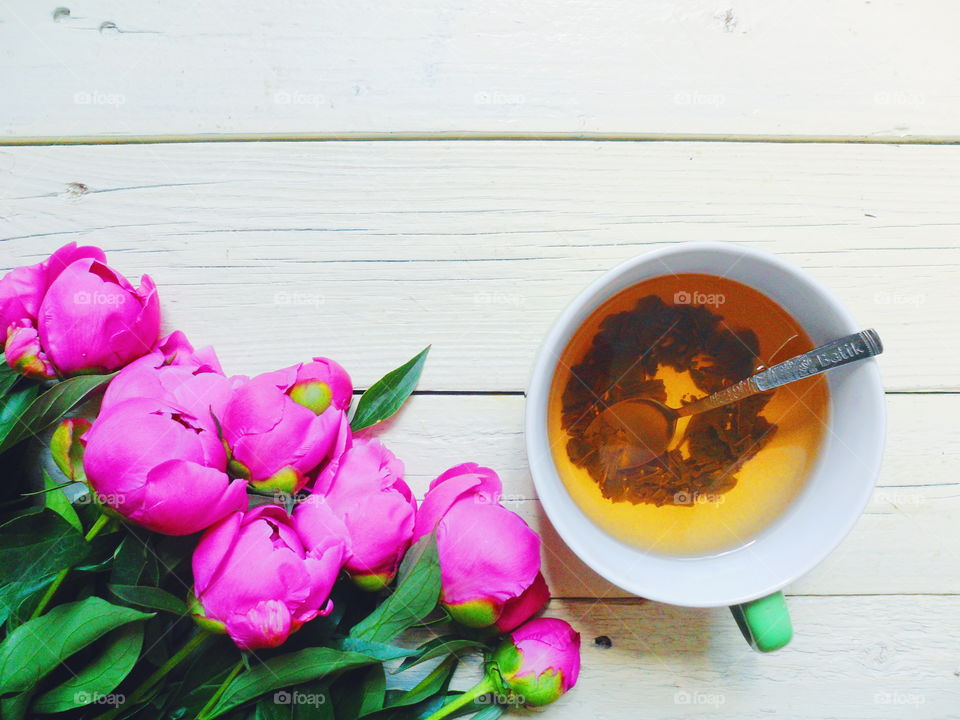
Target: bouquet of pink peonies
[[213, 546]]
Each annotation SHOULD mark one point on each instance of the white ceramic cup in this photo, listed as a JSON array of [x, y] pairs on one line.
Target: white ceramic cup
[[835, 493]]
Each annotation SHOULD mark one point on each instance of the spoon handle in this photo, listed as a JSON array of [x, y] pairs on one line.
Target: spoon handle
[[847, 349]]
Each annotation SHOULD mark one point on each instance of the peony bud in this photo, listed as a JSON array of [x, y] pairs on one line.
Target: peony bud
[[159, 467], [74, 314], [24, 354], [488, 555], [255, 581], [276, 439], [369, 496], [93, 320], [537, 663]]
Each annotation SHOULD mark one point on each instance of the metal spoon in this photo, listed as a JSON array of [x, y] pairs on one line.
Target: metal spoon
[[645, 428]]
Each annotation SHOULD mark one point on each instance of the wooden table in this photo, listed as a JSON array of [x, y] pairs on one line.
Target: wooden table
[[361, 179]]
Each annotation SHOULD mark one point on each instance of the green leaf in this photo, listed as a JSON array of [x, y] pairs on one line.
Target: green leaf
[[135, 562], [8, 378], [285, 671], [387, 394], [150, 597], [269, 709], [416, 595], [14, 406], [433, 683], [53, 405], [98, 678], [31, 598], [203, 673], [100, 557], [14, 708], [490, 712], [36, 547], [381, 651], [305, 702], [56, 500], [440, 646], [373, 690], [38, 646], [319, 705]]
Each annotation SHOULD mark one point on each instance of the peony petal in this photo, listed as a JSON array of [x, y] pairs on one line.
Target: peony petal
[[267, 624], [124, 444], [22, 289], [323, 566], [182, 497], [380, 531], [520, 609], [299, 440], [138, 328], [256, 570], [317, 525], [255, 408], [212, 548], [328, 469], [468, 482], [486, 552]]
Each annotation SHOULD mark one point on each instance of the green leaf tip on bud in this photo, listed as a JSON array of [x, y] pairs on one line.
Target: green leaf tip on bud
[[372, 583], [473, 613], [285, 480], [237, 470], [200, 616]]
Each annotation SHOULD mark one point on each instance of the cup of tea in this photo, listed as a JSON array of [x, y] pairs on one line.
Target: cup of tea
[[748, 497]]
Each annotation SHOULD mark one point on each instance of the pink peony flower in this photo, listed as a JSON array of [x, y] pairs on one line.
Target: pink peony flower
[[254, 580], [488, 555], [280, 425], [73, 314], [159, 467], [538, 662], [369, 496], [175, 373]]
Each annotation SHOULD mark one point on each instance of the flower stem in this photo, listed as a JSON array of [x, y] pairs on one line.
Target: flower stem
[[220, 690], [481, 688], [62, 575], [161, 672]]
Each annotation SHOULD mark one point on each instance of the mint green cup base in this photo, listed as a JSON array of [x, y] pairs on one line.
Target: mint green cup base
[[764, 622]]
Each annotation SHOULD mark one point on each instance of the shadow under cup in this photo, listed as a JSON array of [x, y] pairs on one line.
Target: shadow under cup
[[836, 491]]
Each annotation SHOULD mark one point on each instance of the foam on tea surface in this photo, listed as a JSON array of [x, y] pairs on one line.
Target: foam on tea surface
[[734, 470]]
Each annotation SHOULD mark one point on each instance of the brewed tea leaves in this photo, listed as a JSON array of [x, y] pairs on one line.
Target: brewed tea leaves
[[622, 364]]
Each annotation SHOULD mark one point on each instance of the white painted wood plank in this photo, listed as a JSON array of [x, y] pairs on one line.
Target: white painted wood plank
[[275, 252], [110, 68], [851, 658]]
